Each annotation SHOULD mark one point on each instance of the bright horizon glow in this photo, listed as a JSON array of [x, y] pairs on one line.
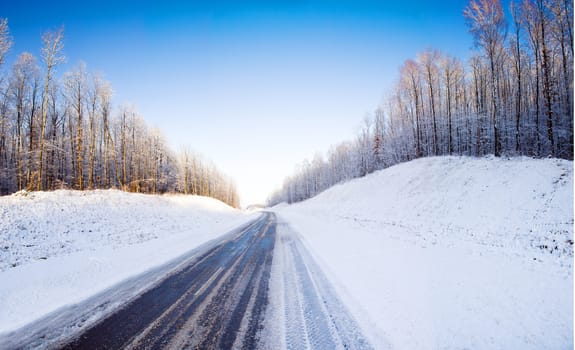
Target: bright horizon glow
[[255, 87]]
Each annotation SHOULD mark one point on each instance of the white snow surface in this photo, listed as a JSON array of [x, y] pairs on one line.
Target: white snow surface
[[450, 252], [60, 248]]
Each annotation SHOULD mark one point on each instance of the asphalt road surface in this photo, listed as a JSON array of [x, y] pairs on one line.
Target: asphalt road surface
[[216, 302]]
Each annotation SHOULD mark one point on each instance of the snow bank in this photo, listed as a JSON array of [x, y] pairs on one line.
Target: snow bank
[[451, 252], [59, 248]]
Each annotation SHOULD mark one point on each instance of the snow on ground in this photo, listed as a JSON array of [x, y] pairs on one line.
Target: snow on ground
[[59, 248], [451, 252]]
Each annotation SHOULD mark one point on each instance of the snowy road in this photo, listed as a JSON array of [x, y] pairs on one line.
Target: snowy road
[[257, 288], [217, 301]]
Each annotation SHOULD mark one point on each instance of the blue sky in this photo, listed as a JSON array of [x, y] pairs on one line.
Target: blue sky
[[256, 86]]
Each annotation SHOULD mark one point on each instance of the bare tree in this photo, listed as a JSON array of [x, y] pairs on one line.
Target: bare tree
[[94, 95], [428, 63], [55, 167], [449, 68], [5, 44], [548, 82], [24, 72], [488, 27], [562, 30], [52, 56], [123, 147], [410, 80], [33, 138], [518, 67], [105, 97], [76, 92], [530, 19], [5, 39]]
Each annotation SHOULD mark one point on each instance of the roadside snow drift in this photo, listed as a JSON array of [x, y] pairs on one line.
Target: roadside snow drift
[[59, 248], [451, 252]]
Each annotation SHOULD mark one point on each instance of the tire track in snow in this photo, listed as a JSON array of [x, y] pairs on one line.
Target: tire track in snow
[[313, 315]]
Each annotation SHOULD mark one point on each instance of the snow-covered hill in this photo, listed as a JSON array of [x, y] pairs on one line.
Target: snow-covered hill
[[58, 248], [40, 225], [451, 252]]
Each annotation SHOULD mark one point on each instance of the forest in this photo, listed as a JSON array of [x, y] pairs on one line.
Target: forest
[[513, 97], [63, 132]]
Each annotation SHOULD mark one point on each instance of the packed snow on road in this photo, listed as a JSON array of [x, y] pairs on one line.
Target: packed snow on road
[[450, 252]]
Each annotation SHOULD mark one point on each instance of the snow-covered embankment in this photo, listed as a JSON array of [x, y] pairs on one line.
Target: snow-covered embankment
[[451, 252], [59, 248]]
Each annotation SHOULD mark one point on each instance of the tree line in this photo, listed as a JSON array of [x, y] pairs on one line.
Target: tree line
[[514, 96], [64, 132]]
